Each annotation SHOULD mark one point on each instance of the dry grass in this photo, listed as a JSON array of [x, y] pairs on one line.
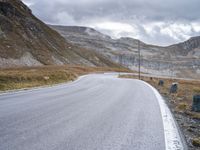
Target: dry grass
[[48, 75], [196, 142]]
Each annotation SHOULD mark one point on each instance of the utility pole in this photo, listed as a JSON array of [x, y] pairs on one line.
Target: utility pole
[[139, 62], [120, 62]]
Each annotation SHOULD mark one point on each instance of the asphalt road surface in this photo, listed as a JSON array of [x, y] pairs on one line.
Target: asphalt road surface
[[96, 112]]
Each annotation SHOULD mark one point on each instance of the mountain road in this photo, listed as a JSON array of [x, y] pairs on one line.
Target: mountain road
[[95, 112]]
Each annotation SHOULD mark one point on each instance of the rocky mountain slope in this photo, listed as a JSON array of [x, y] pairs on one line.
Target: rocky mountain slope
[[179, 59], [190, 48], [26, 41]]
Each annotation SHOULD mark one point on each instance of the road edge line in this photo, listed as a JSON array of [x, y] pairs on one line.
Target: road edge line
[[173, 139]]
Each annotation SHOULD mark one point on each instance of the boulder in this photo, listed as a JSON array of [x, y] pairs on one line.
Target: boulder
[[174, 88], [161, 83], [196, 103]]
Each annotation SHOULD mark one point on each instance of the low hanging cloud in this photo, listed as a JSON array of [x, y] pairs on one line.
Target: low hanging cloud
[[152, 21]]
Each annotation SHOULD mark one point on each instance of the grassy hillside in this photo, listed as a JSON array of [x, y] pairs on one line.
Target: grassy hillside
[[27, 41]]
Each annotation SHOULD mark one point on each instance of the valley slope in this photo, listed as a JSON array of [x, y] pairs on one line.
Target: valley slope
[[27, 41]]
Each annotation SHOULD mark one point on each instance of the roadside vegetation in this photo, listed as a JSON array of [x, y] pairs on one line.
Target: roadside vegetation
[[181, 105], [19, 78]]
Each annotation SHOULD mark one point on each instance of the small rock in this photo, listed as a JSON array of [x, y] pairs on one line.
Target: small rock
[[161, 83], [190, 130], [46, 78]]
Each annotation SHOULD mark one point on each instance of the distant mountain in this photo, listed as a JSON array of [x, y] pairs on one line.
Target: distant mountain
[[27, 41], [190, 47], [171, 60]]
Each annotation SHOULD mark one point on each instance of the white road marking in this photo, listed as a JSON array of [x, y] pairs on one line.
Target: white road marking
[[172, 136]]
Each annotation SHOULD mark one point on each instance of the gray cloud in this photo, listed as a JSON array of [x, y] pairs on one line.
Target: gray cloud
[[153, 21]]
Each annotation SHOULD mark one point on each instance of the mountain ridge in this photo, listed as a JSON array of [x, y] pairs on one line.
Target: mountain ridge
[[168, 60], [83, 29]]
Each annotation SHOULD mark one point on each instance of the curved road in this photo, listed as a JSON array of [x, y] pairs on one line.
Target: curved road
[[96, 112]]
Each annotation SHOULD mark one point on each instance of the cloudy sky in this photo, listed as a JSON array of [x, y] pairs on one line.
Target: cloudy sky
[[161, 22]]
